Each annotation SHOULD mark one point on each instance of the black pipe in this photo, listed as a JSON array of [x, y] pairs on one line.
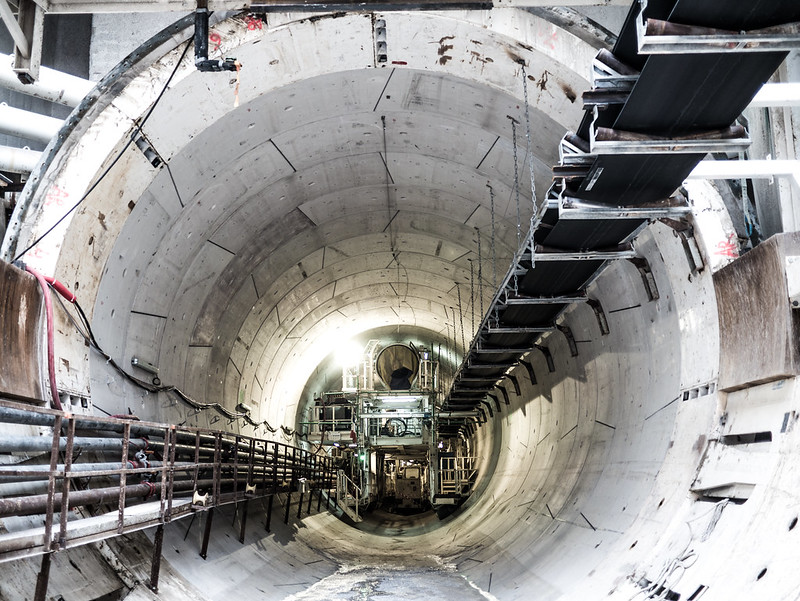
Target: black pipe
[[201, 60]]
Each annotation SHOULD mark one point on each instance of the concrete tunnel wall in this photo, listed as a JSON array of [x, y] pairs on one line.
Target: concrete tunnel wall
[[240, 284]]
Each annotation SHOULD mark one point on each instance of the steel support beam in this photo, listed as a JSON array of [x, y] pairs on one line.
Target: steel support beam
[[777, 94], [575, 208], [43, 578], [126, 6], [519, 329], [155, 568], [503, 350], [52, 85], [542, 300], [503, 366], [207, 533], [589, 255], [28, 54], [605, 141], [750, 169], [664, 37], [243, 524]]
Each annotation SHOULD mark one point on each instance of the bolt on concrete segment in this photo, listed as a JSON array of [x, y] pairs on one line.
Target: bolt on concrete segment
[[385, 583]]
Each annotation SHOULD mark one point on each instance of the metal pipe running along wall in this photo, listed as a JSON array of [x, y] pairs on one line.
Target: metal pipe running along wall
[[234, 468]]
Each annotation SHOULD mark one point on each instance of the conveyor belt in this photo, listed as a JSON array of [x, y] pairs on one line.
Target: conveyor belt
[[675, 95]]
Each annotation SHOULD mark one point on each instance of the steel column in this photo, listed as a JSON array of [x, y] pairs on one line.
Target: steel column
[[207, 533], [155, 567]]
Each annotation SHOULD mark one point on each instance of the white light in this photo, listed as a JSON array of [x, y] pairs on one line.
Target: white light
[[399, 399], [349, 353], [441, 445]]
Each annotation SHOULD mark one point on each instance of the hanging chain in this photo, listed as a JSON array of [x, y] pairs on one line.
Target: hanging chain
[[516, 193], [461, 319], [516, 181], [529, 149], [480, 270], [472, 293], [494, 252]]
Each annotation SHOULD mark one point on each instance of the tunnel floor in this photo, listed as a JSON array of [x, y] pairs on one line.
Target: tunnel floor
[[385, 583]]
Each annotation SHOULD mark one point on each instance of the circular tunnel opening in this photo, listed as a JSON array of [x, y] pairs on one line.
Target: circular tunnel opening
[[328, 195]]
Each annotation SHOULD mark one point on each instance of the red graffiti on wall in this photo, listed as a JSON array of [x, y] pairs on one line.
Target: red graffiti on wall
[[253, 23], [56, 196], [215, 39], [727, 248]]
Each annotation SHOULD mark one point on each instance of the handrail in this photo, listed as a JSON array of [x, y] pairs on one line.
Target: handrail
[[183, 469]]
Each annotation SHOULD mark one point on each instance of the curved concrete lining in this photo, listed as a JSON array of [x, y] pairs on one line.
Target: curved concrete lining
[[340, 197]]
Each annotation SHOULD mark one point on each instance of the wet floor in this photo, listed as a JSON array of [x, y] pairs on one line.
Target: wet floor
[[378, 583]]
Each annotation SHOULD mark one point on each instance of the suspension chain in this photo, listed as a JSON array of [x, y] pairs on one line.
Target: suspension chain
[[494, 251], [461, 318], [472, 293], [516, 181], [480, 270], [529, 148]]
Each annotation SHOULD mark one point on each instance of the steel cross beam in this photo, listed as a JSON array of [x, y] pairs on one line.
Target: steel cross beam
[[113, 6]]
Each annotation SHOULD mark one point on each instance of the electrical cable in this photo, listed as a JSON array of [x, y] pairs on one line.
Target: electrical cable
[[137, 129], [90, 338]]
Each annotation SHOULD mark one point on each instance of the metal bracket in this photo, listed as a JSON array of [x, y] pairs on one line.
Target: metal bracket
[[602, 321], [607, 141], [664, 37], [573, 347], [647, 277], [519, 329], [26, 29], [544, 300], [548, 357], [513, 379], [588, 255], [609, 73], [674, 207], [529, 368]]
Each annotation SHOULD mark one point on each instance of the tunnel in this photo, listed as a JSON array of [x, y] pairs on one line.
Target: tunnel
[[362, 175]]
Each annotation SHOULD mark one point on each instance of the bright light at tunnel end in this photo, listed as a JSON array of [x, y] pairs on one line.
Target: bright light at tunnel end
[[348, 353]]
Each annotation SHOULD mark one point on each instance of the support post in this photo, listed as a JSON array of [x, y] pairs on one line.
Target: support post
[[155, 568], [43, 578], [244, 521], [269, 513], [207, 533]]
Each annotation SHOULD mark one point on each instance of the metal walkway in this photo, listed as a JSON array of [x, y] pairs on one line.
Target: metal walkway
[[128, 475], [680, 74]]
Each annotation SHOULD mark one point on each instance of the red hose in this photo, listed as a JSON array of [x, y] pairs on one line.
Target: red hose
[[61, 289], [51, 363]]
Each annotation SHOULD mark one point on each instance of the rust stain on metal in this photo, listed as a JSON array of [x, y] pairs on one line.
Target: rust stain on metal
[[568, 92], [20, 328], [753, 299]]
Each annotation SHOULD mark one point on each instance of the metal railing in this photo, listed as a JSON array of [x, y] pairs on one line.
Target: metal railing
[[456, 475], [348, 496], [149, 474]]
